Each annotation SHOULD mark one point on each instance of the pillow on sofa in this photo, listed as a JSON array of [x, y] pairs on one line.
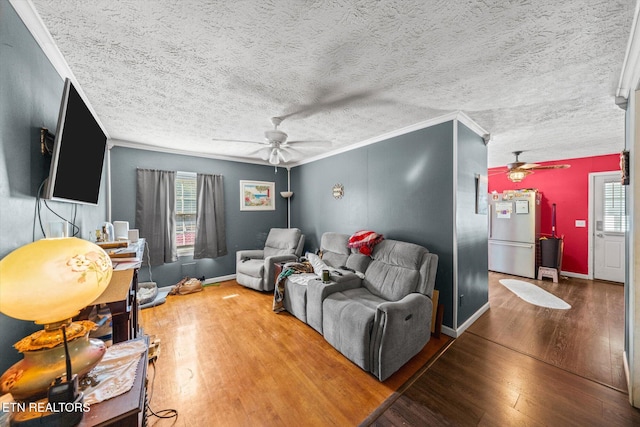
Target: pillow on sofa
[[317, 264]]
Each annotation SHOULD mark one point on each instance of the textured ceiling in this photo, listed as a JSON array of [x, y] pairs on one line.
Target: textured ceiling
[[540, 76]]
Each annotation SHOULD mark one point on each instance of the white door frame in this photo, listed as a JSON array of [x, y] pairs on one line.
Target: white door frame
[[592, 225]]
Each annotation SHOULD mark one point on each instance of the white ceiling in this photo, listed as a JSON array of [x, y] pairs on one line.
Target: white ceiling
[[540, 76]]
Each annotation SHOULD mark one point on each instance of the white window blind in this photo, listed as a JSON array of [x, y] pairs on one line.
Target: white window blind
[[185, 212], [614, 216]]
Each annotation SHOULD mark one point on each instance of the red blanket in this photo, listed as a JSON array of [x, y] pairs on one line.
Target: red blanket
[[364, 241]]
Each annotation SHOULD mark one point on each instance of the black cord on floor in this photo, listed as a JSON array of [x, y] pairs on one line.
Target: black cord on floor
[[163, 413]]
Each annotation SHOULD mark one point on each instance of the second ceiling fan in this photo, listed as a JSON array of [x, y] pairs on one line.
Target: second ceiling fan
[[518, 170]]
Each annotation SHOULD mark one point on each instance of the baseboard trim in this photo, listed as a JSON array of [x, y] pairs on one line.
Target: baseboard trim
[[455, 333], [213, 280], [449, 332], [576, 275]]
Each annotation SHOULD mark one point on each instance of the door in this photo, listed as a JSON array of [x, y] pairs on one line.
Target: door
[[609, 227]]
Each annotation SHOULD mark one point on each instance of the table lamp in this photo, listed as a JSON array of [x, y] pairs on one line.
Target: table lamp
[[49, 281]]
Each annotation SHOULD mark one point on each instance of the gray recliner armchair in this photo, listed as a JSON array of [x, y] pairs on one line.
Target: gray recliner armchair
[[255, 268]]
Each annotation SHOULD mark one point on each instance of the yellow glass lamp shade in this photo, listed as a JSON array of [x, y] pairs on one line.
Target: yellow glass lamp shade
[[51, 280]]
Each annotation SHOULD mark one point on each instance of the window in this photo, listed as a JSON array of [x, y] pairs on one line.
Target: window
[[614, 206], [185, 212]]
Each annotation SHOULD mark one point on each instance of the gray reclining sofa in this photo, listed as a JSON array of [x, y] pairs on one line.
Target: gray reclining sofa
[[380, 321]]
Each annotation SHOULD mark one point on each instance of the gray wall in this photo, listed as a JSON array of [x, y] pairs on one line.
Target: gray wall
[[245, 229], [401, 187], [471, 228], [30, 90]]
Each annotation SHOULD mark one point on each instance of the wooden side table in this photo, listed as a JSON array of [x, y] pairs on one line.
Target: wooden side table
[[125, 410]]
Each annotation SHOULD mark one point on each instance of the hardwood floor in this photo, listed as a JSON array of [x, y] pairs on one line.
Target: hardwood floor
[[227, 360], [523, 365], [587, 339], [477, 382]]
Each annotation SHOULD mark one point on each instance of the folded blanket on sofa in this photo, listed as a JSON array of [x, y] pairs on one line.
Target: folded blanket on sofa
[[364, 241], [278, 292]]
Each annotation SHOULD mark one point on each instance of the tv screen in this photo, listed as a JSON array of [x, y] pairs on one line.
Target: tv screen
[[78, 152]]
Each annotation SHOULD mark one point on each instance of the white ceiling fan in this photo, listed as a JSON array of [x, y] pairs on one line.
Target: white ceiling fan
[[518, 170], [276, 148]]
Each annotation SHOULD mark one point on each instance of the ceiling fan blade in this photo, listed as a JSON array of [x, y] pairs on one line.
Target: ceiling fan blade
[[238, 140], [552, 167], [528, 166], [309, 143], [322, 102], [263, 153]]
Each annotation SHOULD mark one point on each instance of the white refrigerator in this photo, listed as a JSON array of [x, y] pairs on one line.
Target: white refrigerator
[[514, 232]]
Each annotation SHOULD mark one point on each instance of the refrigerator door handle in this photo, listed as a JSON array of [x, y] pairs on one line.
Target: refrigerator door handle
[[516, 244], [490, 220]]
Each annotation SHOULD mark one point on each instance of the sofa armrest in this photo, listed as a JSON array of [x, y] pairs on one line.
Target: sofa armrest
[[270, 267], [400, 330], [317, 291], [344, 276]]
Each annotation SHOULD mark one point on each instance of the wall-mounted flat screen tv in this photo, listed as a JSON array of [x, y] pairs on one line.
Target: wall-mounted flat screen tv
[[78, 152]]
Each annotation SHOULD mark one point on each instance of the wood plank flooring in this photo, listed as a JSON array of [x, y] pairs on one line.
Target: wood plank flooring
[[227, 360], [587, 339], [522, 365], [477, 382]]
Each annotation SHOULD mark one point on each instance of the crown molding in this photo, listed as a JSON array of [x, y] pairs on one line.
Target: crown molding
[[475, 127], [140, 146], [456, 115], [630, 74]]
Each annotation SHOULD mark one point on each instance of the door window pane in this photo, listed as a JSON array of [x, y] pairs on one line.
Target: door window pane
[[614, 217]]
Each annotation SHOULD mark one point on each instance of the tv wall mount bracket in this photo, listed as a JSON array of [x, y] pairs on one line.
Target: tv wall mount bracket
[[46, 141]]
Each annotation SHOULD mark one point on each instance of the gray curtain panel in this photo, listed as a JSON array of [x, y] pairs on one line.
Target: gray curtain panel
[[156, 213], [211, 239]]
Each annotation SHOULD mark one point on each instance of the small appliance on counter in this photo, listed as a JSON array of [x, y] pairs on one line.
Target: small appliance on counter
[[121, 230]]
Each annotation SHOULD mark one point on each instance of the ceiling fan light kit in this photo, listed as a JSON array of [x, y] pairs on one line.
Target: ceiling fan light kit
[[517, 175], [274, 157]]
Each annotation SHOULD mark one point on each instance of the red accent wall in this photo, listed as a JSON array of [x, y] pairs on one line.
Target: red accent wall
[[569, 190]]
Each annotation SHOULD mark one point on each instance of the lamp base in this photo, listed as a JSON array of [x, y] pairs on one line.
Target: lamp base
[[32, 376]]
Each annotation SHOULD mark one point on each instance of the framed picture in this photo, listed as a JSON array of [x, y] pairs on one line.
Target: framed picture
[[257, 196]]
